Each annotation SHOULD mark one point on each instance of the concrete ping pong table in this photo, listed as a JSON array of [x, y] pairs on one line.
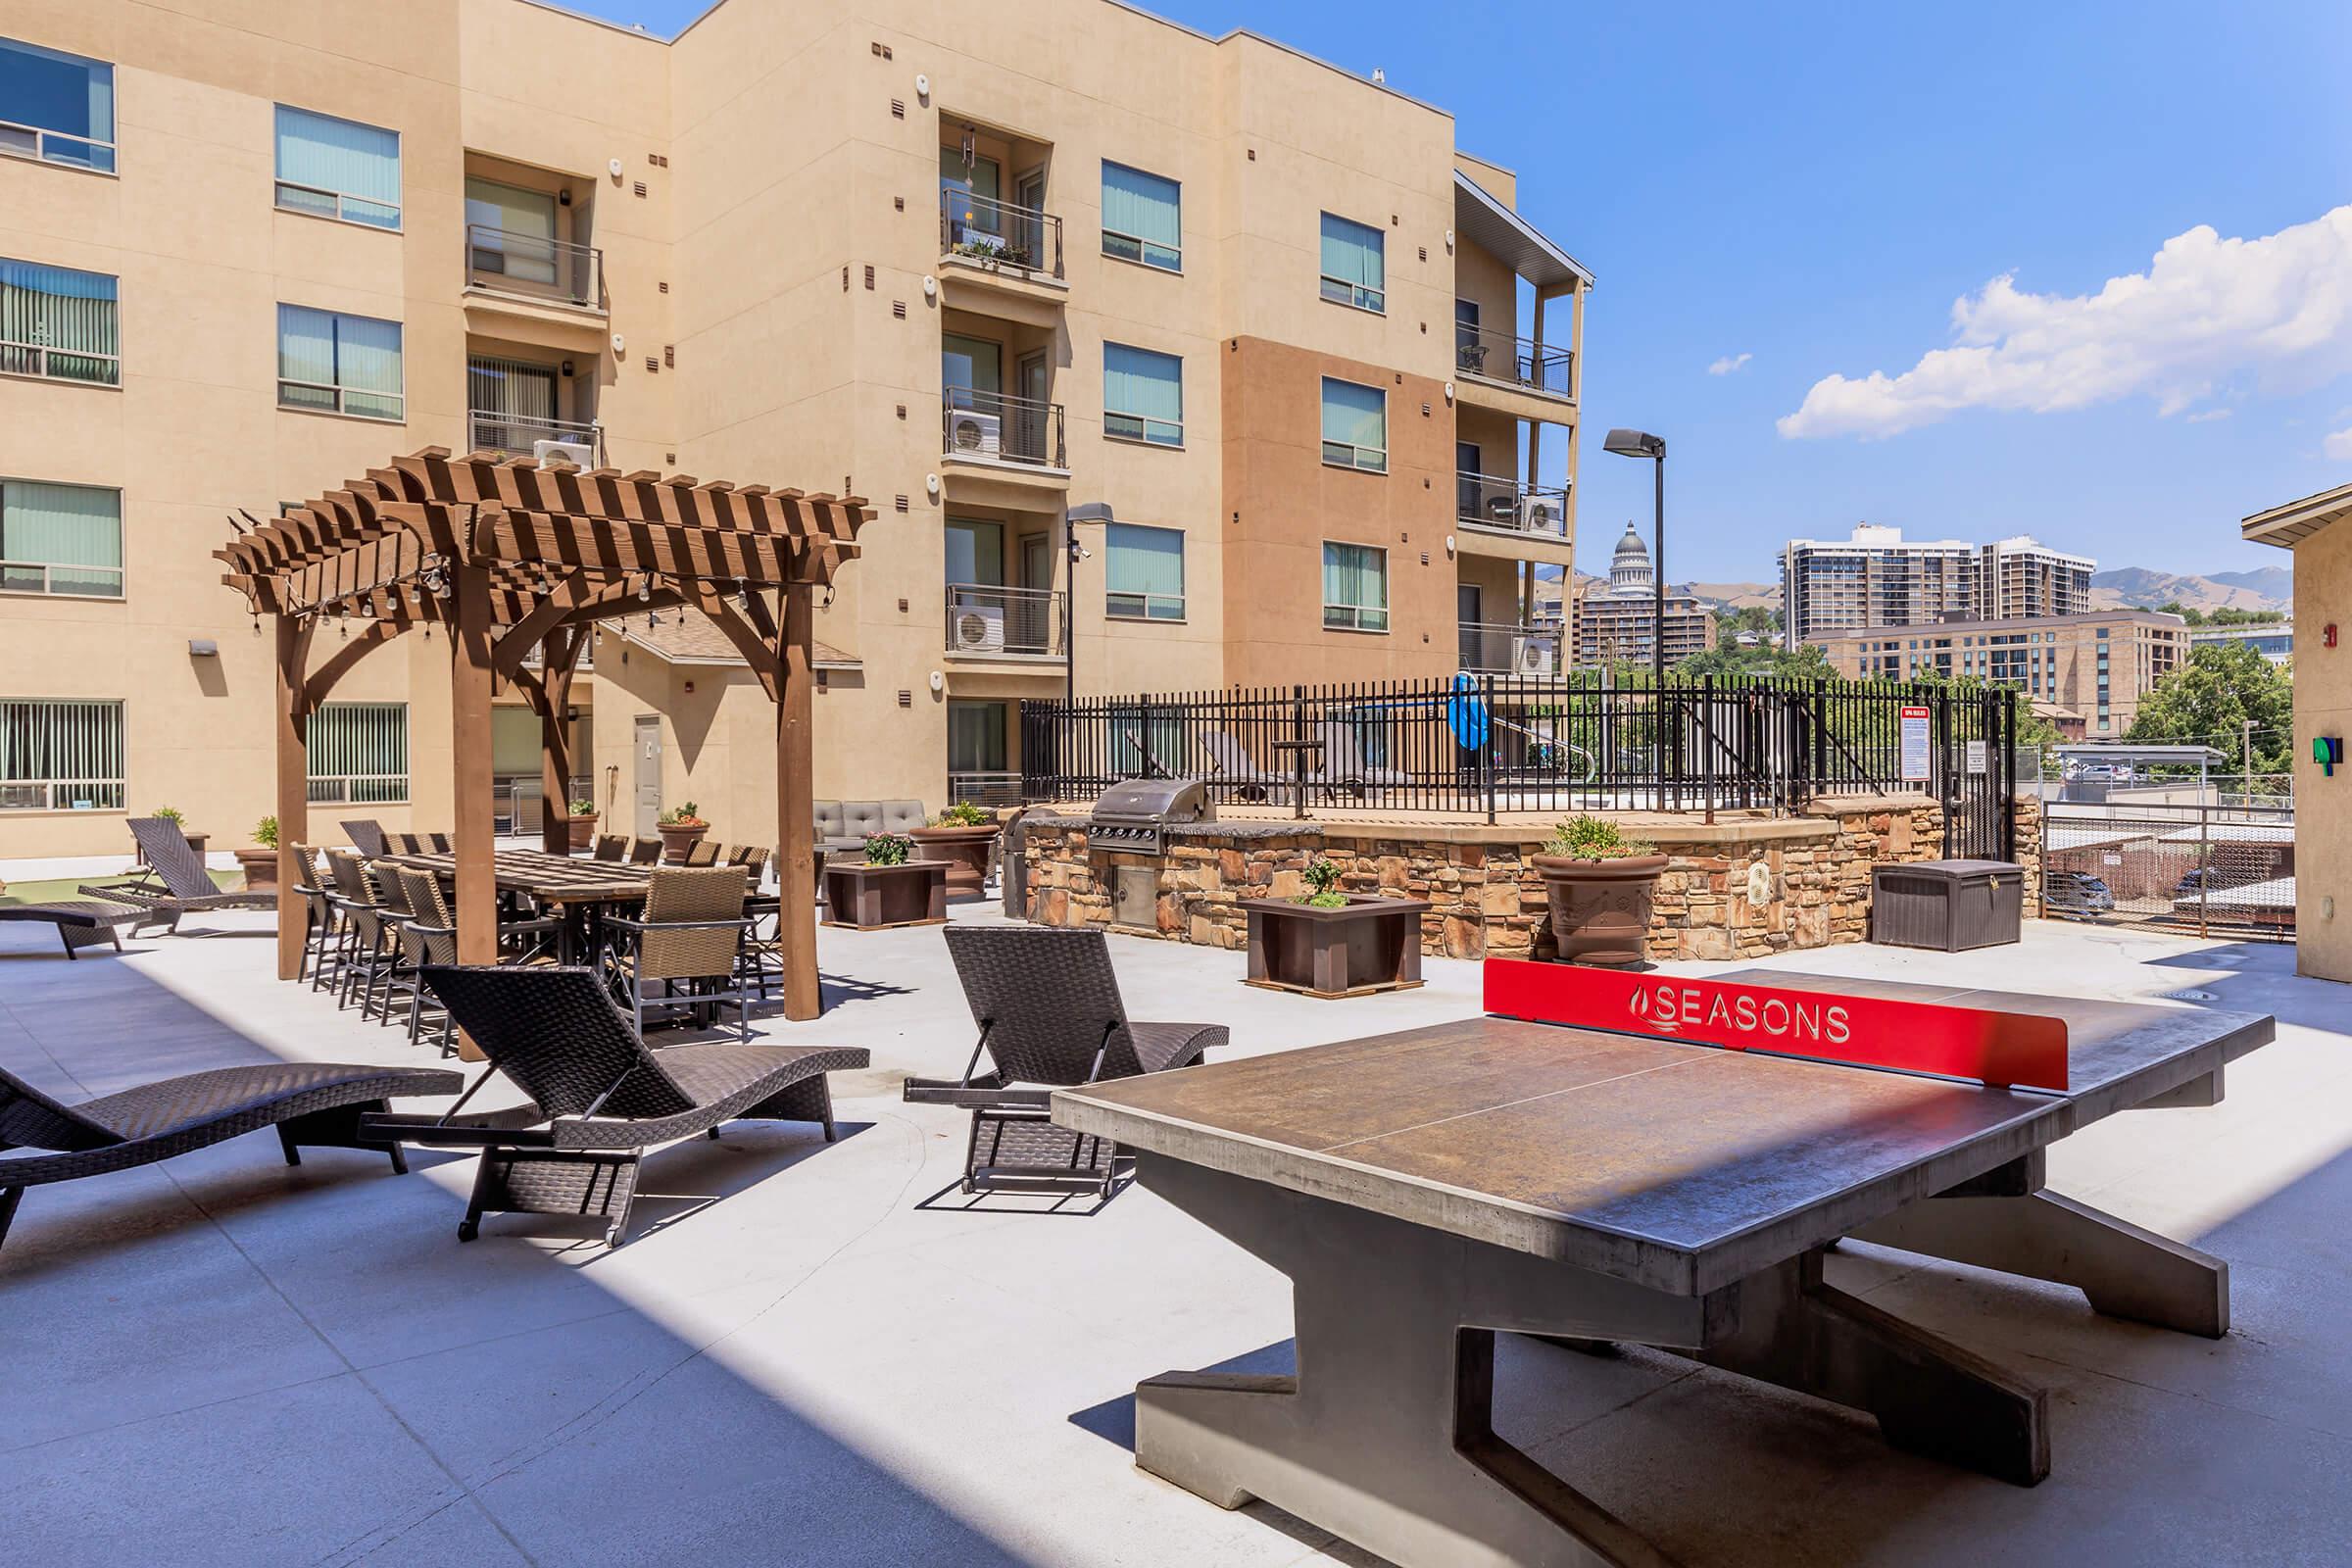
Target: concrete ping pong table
[[1426, 1190]]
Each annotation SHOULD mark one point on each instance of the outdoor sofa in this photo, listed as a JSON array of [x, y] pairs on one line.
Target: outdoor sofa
[[843, 826]]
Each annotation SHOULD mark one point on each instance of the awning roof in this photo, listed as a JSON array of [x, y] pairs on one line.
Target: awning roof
[[1502, 233], [2297, 521]]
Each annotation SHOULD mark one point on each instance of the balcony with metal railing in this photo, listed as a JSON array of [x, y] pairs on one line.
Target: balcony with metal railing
[[534, 268], [986, 620], [998, 429], [1496, 649], [999, 235], [519, 435], [983, 787], [1510, 505], [1500, 359]]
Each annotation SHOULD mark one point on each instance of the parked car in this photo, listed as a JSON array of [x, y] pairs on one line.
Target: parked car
[[2199, 879], [2077, 893]]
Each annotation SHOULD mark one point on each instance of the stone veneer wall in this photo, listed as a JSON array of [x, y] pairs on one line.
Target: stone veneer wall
[[1486, 898]]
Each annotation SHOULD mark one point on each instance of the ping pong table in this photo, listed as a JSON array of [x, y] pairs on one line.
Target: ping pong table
[[1429, 1189]]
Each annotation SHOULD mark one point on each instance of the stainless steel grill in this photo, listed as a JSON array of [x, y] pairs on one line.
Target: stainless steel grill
[[1135, 817]]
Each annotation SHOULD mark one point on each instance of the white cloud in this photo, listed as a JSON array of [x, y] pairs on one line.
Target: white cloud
[[2206, 308], [2339, 444], [1729, 364], [2208, 415]]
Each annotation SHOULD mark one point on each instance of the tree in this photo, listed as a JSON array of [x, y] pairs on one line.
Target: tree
[[2208, 700]]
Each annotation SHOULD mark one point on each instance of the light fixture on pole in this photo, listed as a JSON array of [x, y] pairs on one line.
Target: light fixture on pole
[[1642, 444], [1090, 512]]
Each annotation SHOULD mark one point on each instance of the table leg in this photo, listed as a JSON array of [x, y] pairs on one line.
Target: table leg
[[1385, 1435]]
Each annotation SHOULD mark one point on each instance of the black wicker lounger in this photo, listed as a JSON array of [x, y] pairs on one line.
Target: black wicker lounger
[[81, 923], [600, 1098], [176, 882], [1047, 1006], [311, 1105]]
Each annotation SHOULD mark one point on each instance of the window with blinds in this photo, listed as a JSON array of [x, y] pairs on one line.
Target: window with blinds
[[59, 323], [55, 107], [1144, 573], [60, 756], [61, 539], [1354, 263], [337, 364], [359, 754], [1143, 216], [332, 167], [512, 404], [1355, 587], [1355, 425], [1143, 395]]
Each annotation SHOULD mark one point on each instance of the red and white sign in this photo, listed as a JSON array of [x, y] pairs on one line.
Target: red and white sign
[[2005, 1049]]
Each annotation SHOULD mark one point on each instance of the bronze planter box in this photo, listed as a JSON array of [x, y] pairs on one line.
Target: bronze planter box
[[261, 869], [965, 850], [873, 898], [1367, 943], [1600, 909]]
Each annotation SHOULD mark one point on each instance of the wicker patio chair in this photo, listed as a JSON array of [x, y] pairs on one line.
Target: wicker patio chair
[[646, 852], [311, 1105], [702, 853], [596, 1098], [611, 847], [174, 882], [439, 842], [691, 934], [404, 844], [370, 948], [319, 920], [365, 836], [1047, 1006]]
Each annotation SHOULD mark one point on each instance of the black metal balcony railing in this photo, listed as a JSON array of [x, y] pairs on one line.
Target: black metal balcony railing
[[984, 230], [1499, 649], [998, 427], [519, 435], [986, 620], [1496, 501], [552, 270], [1521, 360]]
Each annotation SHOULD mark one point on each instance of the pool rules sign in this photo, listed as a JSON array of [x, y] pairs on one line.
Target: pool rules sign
[[1915, 745]]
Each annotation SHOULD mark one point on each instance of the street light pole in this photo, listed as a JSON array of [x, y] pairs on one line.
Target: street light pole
[[1642, 444], [1090, 512]]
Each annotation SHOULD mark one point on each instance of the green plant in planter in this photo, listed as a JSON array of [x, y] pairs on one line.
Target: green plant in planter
[[265, 833], [172, 815], [963, 813], [583, 808], [684, 814], [1594, 838], [1324, 878], [887, 849]]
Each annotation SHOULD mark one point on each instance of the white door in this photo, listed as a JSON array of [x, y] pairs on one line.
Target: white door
[[649, 774]]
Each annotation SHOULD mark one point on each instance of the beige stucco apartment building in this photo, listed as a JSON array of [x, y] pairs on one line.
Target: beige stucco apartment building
[[1320, 374], [2087, 674]]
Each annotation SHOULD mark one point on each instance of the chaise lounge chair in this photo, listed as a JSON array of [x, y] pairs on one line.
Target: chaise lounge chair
[[1047, 1006], [174, 882], [1346, 770], [311, 1105], [596, 1098], [1235, 770], [366, 836]]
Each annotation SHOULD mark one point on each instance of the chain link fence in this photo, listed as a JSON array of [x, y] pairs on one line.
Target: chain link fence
[[2204, 870]]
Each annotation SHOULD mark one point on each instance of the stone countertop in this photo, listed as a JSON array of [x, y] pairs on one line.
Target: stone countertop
[[1233, 831]]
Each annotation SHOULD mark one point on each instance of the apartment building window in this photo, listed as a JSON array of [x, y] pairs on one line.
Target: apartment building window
[[333, 167], [1144, 574], [359, 754], [338, 364], [1353, 263], [59, 323], [55, 107], [1355, 587], [1143, 216], [1143, 395], [64, 539], [1355, 425], [511, 234], [60, 757]]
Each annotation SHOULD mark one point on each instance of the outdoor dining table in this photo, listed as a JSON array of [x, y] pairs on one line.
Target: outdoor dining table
[[578, 890]]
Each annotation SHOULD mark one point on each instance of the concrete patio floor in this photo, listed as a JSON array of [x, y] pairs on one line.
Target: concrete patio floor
[[801, 1360]]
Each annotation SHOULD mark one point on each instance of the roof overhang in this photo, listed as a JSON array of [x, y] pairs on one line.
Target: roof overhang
[[2288, 525], [1502, 233]]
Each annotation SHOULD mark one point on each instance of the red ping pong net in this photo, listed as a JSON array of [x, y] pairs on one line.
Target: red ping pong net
[[2020, 1049]]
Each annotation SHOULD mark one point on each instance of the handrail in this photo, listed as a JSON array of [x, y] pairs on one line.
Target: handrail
[[976, 424], [489, 431], [554, 271], [1004, 233], [1497, 355], [989, 620], [1498, 501]]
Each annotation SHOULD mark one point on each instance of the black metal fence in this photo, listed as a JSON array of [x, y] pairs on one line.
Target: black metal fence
[[1484, 745]]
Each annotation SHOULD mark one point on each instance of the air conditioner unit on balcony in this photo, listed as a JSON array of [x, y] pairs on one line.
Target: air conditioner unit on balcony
[[1540, 515], [1535, 656], [577, 453], [972, 434], [979, 629]]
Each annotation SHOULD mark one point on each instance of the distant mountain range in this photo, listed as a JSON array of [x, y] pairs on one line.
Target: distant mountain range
[[2271, 588]]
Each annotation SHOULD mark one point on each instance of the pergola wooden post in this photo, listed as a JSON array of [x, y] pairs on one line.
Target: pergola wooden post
[[511, 558]]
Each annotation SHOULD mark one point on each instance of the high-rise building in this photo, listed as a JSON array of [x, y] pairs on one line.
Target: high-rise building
[[1620, 625], [1879, 578], [2022, 577], [1264, 309], [2087, 674]]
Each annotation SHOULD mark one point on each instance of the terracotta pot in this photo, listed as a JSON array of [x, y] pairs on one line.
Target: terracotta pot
[[1600, 909], [260, 868], [1367, 943], [677, 838], [965, 850], [583, 831]]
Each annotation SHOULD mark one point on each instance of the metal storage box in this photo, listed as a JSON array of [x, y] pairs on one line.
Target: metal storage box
[[1947, 906]]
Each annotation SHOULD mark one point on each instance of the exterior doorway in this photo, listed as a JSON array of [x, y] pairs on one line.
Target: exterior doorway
[[649, 774]]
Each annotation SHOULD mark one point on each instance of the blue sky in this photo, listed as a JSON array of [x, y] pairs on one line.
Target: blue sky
[[1815, 186]]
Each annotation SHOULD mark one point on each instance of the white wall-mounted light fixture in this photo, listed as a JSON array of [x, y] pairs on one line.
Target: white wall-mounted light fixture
[[619, 344], [939, 682], [1450, 242], [931, 485], [613, 167], [923, 88], [1449, 546], [930, 287], [203, 648], [1449, 392]]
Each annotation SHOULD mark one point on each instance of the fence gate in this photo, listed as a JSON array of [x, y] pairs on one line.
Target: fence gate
[[1977, 776]]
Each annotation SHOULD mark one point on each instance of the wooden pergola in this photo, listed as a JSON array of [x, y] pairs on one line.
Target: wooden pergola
[[511, 558]]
